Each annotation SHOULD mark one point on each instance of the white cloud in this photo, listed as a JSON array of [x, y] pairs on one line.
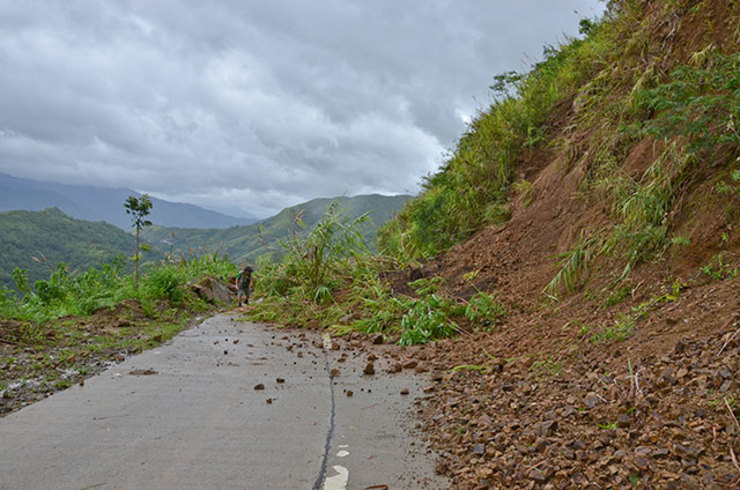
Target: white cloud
[[256, 105]]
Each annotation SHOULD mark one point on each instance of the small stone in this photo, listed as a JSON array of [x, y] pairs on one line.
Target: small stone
[[395, 368], [409, 364], [546, 428], [378, 339], [623, 420], [591, 400], [369, 368], [350, 393], [279, 380], [661, 453], [643, 450], [727, 385], [478, 449], [405, 391], [269, 401], [642, 462], [259, 386]]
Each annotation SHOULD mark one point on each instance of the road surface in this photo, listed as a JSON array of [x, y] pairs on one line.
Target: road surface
[[226, 405]]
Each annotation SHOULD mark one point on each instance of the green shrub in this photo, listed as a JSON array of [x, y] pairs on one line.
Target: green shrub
[[426, 320], [484, 310]]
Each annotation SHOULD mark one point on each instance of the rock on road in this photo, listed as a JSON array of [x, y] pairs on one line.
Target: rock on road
[[227, 405]]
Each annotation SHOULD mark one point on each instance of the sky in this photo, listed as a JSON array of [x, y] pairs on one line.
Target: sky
[[247, 106]]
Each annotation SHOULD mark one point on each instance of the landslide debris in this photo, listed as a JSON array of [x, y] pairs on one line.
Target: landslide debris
[[618, 363]]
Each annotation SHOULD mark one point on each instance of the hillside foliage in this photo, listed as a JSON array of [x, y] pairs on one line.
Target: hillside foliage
[[38, 241], [620, 89], [248, 243]]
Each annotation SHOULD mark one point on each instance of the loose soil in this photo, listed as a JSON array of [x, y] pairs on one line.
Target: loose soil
[[620, 384]]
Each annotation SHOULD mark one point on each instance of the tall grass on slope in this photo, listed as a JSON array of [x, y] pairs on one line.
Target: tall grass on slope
[[693, 114], [471, 188]]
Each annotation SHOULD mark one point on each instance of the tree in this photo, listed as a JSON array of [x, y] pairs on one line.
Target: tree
[[139, 209]]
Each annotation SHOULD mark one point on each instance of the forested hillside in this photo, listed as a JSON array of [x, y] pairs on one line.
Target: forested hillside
[[38, 241]]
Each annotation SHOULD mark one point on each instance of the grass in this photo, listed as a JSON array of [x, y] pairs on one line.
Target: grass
[[546, 368], [718, 268], [574, 266], [622, 330]]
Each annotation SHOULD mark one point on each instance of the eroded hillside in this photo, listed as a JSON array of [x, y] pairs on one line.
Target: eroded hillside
[[616, 258]]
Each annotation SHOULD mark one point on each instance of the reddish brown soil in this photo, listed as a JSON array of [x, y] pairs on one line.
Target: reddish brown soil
[[543, 403]]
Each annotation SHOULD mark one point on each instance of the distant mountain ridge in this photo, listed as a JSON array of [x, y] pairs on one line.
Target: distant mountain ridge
[[81, 244], [104, 204], [246, 243]]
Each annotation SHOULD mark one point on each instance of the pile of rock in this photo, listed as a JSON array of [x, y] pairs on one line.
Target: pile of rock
[[670, 422]]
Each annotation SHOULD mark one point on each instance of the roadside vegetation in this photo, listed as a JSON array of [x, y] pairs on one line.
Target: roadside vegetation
[[328, 279], [56, 331], [587, 105]]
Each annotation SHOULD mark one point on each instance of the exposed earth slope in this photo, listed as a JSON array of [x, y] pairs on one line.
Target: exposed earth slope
[[619, 361]]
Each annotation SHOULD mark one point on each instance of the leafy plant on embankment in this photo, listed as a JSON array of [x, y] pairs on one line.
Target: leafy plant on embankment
[[327, 279], [69, 293], [693, 115]]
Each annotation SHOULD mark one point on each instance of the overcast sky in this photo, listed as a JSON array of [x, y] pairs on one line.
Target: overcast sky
[[252, 106]]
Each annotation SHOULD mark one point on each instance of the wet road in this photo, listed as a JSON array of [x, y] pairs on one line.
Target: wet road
[[225, 405]]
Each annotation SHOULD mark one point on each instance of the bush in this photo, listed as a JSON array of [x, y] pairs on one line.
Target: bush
[[427, 319]]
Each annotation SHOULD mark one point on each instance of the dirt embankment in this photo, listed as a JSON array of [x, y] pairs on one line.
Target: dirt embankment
[[632, 383]]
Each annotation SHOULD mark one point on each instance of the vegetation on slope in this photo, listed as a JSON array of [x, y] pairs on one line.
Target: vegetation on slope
[[52, 237], [623, 89], [639, 124], [247, 243]]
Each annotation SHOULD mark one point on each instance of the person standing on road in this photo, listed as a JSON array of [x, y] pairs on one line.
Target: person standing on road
[[244, 285]]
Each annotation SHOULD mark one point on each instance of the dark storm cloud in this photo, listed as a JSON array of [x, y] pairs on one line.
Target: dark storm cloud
[[255, 105]]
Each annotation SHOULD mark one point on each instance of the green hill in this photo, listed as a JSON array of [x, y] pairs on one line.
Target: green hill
[[52, 237], [248, 243]]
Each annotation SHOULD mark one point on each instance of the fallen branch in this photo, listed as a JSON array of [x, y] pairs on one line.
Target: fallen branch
[[732, 413], [730, 338]]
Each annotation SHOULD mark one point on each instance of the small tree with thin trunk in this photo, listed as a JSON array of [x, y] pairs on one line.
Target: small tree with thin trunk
[[139, 209]]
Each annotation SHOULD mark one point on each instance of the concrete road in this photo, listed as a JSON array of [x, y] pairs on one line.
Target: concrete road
[[224, 405]]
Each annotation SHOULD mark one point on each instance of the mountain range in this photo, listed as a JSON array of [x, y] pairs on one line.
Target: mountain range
[[246, 243], [105, 204], [39, 240]]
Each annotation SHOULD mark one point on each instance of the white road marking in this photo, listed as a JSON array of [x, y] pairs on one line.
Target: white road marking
[[342, 454], [339, 481]]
